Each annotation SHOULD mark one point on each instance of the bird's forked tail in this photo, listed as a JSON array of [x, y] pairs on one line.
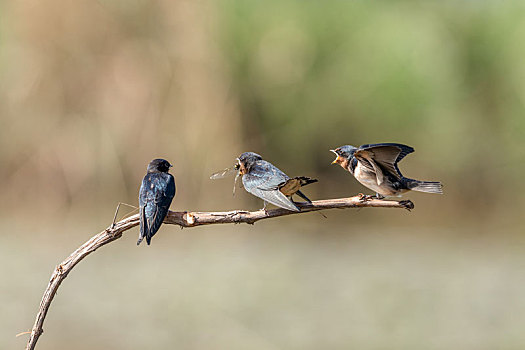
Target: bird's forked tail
[[425, 186]]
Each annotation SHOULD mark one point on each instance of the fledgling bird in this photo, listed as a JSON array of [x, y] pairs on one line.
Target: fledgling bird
[[375, 166], [266, 181], [156, 193]]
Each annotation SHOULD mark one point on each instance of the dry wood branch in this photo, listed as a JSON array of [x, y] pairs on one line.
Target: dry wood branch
[[186, 219]]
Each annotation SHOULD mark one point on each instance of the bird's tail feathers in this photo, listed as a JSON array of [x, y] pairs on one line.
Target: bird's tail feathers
[[303, 196], [305, 180], [425, 186]]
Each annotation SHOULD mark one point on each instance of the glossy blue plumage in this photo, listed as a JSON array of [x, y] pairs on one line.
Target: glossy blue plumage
[[156, 193]]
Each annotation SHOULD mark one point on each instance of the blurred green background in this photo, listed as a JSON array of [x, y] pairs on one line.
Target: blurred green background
[[92, 91]]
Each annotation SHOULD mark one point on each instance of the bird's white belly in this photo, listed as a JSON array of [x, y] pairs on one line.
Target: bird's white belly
[[369, 179]]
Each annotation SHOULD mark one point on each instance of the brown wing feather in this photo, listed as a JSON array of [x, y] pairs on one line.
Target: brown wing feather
[[370, 163], [386, 155], [292, 186]]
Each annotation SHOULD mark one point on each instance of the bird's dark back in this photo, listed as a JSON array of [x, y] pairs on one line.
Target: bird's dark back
[[158, 187]]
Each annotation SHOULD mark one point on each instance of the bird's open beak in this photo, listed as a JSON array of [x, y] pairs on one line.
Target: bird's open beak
[[338, 159]]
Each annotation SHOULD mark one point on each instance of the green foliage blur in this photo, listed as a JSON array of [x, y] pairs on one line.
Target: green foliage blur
[[444, 77]]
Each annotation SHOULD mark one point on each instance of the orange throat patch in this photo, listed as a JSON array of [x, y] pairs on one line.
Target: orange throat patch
[[343, 162]]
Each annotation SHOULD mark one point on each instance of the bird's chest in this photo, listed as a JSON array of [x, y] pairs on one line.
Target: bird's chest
[[368, 178], [365, 176]]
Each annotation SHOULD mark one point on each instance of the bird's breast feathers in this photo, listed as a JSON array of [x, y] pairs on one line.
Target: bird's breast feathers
[[368, 178]]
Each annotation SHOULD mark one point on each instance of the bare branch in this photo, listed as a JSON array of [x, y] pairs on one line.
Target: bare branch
[[192, 219], [187, 219]]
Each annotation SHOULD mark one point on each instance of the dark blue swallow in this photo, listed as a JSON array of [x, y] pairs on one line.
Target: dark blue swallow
[[156, 193], [375, 166], [266, 181]]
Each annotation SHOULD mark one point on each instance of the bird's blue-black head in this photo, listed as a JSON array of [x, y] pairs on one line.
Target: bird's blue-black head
[[343, 153], [159, 166], [246, 161]]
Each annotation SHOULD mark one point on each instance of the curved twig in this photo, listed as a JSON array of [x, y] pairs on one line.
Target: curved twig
[[187, 219]]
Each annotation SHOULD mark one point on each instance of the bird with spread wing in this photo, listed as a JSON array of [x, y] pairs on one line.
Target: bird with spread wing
[[376, 167]]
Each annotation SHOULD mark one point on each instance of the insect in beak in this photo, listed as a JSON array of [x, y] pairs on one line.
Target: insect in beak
[[235, 182]]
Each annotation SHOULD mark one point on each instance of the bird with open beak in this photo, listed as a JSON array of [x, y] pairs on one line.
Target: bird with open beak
[[266, 181], [375, 166]]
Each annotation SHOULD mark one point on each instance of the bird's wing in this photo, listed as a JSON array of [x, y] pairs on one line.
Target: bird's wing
[[292, 186], [264, 180], [160, 193], [270, 177], [385, 154], [144, 195], [143, 225], [365, 159]]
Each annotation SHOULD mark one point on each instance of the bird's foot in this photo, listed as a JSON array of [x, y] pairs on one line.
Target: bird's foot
[[365, 197], [265, 211], [264, 208]]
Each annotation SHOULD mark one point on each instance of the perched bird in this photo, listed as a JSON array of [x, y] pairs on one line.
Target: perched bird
[[266, 181], [156, 193], [375, 166]]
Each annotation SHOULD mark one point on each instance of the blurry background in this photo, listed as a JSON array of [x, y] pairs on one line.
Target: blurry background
[[91, 91]]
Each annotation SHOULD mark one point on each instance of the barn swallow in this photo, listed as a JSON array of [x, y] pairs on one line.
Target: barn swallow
[[156, 193], [375, 166], [266, 181]]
